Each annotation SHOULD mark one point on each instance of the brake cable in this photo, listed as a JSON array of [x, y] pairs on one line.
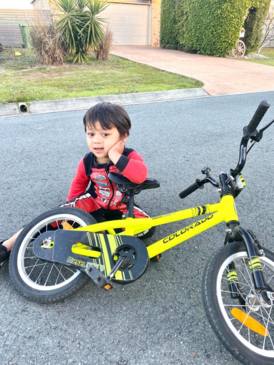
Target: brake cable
[[259, 135], [265, 127]]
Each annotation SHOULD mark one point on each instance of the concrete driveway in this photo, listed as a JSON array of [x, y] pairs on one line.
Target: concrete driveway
[[220, 76]]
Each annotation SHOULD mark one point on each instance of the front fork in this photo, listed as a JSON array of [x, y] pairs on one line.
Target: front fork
[[254, 251]]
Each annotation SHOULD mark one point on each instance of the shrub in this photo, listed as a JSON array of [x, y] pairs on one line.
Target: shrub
[[80, 26], [47, 44], [102, 50], [210, 27], [168, 34]]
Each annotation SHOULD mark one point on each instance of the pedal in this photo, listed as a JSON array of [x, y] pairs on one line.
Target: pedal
[[97, 277], [156, 258]]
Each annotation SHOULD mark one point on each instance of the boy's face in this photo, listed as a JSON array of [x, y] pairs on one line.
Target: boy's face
[[101, 140]]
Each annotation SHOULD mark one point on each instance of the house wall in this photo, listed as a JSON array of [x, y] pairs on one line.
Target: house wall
[[147, 23], [155, 22], [10, 35], [40, 4], [132, 29]]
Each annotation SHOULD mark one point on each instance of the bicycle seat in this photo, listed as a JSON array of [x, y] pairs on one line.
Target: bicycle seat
[[124, 184]]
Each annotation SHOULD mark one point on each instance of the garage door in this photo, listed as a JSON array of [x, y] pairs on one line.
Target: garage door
[[129, 23]]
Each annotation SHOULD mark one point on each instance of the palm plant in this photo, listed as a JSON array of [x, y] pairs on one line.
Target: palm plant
[[80, 26]]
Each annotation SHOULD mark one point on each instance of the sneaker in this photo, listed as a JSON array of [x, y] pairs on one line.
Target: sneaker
[[4, 254]]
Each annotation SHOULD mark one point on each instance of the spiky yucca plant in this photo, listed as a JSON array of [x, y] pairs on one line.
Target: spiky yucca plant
[[80, 26]]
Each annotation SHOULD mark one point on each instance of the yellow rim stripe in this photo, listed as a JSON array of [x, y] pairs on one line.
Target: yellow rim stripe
[[249, 322]]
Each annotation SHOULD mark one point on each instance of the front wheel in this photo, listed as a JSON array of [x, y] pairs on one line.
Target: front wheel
[[238, 313], [44, 281]]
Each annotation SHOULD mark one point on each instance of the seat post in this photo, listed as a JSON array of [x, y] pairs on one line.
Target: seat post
[[130, 204]]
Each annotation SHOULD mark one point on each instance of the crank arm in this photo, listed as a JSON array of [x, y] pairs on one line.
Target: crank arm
[[116, 267], [97, 277]]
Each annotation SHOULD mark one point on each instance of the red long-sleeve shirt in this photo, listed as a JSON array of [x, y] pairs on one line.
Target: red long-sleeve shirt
[[105, 192]]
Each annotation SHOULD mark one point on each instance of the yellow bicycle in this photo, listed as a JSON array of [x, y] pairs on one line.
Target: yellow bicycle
[[59, 250]]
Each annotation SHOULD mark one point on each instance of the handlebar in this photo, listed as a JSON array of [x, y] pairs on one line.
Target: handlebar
[[249, 133], [193, 187], [250, 129]]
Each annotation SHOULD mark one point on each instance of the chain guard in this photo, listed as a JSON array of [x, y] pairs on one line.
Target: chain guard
[[56, 246]]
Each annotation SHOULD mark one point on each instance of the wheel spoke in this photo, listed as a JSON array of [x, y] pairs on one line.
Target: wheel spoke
[[34, 266], [253, 324], [44, 266], [59, 274], [266, 322], [43, 275], [52, 266]]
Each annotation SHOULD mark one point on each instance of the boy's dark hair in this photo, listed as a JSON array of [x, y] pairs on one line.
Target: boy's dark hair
[[108, 115]]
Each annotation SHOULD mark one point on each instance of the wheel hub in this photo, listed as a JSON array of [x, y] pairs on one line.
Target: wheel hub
[[256, 301]]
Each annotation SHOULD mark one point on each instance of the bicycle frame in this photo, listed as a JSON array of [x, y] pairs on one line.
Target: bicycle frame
[[224, 211]]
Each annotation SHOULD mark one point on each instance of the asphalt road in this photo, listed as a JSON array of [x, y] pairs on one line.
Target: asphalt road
[[160, 318]]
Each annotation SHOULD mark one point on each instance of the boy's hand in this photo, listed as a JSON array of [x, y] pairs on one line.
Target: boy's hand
[[116, 150]]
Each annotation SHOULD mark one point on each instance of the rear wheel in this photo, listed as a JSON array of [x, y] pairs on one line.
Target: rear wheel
[[241, 317], [44, 281]]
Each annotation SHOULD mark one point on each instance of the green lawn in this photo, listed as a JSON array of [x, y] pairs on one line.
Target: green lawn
[[23, 80], [269, 53]]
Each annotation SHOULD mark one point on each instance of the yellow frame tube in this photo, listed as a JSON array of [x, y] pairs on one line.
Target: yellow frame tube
[[224, 211]]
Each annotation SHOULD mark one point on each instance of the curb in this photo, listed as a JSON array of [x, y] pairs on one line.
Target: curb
[[49, 106], [9, 109]]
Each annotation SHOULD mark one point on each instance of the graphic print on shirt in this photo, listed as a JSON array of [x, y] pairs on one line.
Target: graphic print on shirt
[[100, 177], [103, 191], [101, 184]]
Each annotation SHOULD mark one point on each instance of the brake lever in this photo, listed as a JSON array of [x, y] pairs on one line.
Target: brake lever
[[213, 181], [210, 179], [206, 171], [259, 135]]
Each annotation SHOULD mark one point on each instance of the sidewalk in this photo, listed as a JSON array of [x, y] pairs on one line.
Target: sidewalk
[[220, 76]]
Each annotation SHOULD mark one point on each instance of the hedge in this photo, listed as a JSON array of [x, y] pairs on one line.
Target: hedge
[[213, 26], [168, 36]]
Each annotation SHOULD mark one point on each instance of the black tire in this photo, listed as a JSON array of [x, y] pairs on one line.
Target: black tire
[[242, 342], [43, 281]]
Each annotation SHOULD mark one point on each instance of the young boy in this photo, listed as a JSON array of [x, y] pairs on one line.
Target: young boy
[[107, 128]]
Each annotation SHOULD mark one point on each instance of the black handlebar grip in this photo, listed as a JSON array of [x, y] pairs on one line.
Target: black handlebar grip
[[257, 117], [190, 189]]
